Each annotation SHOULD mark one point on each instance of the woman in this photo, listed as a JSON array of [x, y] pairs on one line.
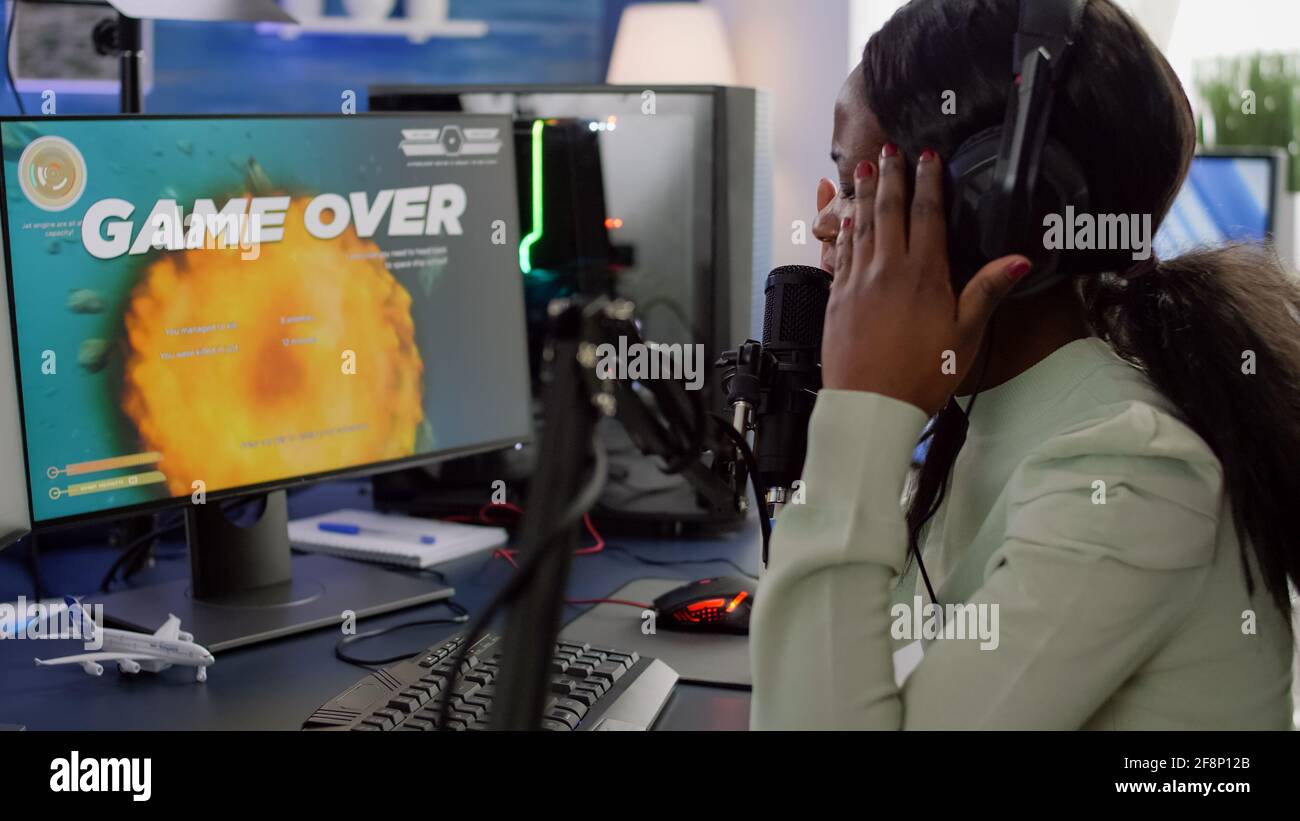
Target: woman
[[1122, 503]]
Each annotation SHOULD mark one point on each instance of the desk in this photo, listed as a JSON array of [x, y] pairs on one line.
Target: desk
[[275, 686]]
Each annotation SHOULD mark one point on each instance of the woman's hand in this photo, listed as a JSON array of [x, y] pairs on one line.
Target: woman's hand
[[893, 324]]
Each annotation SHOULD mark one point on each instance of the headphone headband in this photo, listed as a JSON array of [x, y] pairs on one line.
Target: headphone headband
[[1002, 178], [1047, 25]]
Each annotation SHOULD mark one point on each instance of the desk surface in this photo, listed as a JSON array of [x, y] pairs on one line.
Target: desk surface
[[275, 686]]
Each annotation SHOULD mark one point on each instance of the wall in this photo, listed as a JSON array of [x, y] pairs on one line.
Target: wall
[[798, 52]]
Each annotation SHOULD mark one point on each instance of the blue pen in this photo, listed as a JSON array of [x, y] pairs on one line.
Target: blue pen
[[349, 529]]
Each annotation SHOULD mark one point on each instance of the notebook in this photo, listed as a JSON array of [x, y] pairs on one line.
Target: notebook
[[391, 539]]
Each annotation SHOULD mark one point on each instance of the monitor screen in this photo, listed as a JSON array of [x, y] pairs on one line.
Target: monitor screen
[[1224, 199], [227, 304]]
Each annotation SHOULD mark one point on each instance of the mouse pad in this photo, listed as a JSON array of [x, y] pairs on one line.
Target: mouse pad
[[703, 658]]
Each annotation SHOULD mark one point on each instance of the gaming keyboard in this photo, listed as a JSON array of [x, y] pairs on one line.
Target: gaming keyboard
[[592, 688]]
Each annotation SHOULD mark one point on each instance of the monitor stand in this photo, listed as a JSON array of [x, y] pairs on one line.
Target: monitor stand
[[244, 587]]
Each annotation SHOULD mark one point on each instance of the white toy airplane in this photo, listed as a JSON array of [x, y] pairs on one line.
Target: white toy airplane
[[133, 651]]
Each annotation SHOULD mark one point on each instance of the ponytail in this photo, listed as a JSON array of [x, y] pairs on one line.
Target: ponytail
[[1218, 333]]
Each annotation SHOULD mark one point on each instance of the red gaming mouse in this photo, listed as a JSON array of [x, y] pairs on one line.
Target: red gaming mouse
[[718, 605]]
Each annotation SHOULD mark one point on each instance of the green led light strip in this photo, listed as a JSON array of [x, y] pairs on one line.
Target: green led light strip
[[525, 247]]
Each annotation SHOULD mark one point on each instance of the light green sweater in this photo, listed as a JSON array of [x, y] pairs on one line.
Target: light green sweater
[[1091, 522]]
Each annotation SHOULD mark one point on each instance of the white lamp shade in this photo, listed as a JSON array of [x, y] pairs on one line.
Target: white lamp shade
[[671, 43]]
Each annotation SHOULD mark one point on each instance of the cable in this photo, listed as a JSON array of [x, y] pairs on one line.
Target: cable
[[132, 548], [9, 72], [624, 602], [462, 616], [586, 495], [39, 590], [675, 562], [751, 466]]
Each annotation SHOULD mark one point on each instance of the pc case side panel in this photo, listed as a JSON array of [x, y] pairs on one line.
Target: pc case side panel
[[15, 512], [749, 163]]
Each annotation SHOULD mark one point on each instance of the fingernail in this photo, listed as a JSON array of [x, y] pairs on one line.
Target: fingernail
[[846, 224], [865, 169], [888, 150], [1017, 270], [928, 155]]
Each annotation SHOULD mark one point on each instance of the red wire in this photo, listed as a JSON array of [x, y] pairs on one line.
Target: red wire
[[516, 509], [509, 555]]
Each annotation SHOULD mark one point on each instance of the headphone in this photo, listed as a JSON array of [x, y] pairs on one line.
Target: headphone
[[1004, 180]]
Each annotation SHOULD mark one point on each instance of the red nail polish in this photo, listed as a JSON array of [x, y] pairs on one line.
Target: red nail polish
[[1017, 270], [864, 169], [847, 224], [928, 155], [888, 150]]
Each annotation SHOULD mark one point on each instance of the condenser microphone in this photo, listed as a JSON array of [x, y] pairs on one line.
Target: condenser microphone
[[771, 386], [794, 313]]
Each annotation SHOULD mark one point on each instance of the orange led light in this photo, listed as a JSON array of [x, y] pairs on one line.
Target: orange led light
[[740, 597], [706, 604]]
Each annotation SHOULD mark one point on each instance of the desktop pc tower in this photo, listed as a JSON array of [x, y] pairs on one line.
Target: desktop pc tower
[[658, 194]]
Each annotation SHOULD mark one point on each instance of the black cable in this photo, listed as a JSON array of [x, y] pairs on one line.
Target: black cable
[[132, 548], [588, 494], [751, 467], [674, 562], [462, 616], [142, 543], [39, 590], [943, 489], [9, 72]]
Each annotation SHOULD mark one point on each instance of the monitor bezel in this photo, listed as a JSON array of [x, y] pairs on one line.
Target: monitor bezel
[[223, 494], [1277, 159]]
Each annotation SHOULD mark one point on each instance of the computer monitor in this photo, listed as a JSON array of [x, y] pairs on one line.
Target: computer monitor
[[659, 194], [1230, 195], [204, 308]]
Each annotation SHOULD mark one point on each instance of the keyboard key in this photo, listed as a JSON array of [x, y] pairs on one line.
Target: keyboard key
[[562, 686], [628, 659], [552, 724], [416, 724], [407, 705], [580, 670], [466, 688], [419, 694], [572, 705], [564, 716], [596, 687]]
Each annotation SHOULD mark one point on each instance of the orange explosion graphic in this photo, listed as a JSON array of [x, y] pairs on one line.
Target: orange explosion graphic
[[237, 369]]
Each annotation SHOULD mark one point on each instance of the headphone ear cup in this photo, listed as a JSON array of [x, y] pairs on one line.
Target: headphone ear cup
[[971, 178]]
